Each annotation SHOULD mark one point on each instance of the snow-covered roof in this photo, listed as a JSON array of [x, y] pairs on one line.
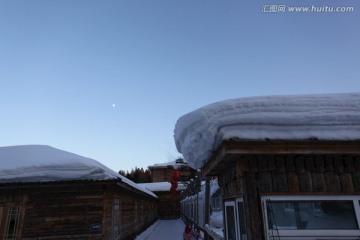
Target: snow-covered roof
[[161, 186], [39, 163], [299, 117], [175, 164]]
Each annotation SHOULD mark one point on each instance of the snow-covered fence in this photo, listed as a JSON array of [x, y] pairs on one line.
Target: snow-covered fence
[[193, 208]]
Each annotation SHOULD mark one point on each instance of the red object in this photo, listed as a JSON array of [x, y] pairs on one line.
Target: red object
[[187, 233], [174, 182]]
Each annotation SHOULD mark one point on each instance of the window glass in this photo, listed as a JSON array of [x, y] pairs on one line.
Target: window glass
[[311, 215], [241, 214], [230, 223], [216, 204]]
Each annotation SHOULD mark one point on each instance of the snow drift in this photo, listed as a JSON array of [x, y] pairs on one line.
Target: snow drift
[[300, 117]]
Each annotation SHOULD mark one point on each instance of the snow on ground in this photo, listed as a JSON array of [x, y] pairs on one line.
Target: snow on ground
[[39, 163], [164, 230], [301, 117]]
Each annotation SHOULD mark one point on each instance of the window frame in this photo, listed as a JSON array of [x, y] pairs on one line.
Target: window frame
[[13, 210], [239, 223], [313, 233], [237, 219], [231, 203]]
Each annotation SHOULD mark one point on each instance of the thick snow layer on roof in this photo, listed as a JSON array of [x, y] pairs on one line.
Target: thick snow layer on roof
[[38, 163], [301, 117], [161, 186]]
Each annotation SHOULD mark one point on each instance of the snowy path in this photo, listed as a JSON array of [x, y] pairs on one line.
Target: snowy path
[[164, 230]]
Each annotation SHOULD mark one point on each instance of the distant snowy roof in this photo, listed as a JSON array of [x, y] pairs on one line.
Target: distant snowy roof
[[161, 186], [38, 163], [175, 164], [301, 117]]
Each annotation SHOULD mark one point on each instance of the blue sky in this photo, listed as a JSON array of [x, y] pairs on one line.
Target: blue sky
[[63, 64]]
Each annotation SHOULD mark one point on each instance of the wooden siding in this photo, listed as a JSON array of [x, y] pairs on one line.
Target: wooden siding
[[82, 210], [49, 212], [136, 215], [293, 174], [163, 174], [169, 207]]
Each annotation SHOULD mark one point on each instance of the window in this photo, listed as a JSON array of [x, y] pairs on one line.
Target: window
[[311, 217], [116, 219], [235, 227], [216, 201], [12, 227], [230, 221], [241, 217]]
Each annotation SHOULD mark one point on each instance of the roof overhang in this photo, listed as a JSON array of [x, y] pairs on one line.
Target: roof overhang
[[229, 151]]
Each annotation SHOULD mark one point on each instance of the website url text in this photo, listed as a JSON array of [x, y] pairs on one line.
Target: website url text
[[306, 9]]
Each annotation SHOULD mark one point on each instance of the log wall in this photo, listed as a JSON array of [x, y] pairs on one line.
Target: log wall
[[163, 174], [295, 174], [136, 215], [169, 206], [75, 211]]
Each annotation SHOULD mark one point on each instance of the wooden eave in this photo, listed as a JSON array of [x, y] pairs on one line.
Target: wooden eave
[[73, 183], [64, 183], [229, 151]]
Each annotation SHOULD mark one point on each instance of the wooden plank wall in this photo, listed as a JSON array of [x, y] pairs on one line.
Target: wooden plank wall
[[162, 174], [136, 214], [10, 199], [63, 212], [295, 174], [169, 207], [76, 211]]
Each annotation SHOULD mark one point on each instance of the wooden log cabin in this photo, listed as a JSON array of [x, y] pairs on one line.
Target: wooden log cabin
[[288, 166], [46, 193], [280, 189], [163, 172], [169, 203]]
